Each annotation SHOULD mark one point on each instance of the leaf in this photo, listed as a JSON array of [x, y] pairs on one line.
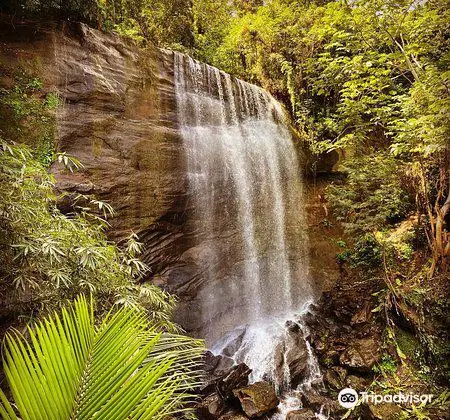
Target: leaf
[[378, 308], [119, 370], [400, 353]]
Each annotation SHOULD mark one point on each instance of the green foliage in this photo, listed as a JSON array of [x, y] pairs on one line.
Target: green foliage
[[366, 252], [119, 369], [46, 256], [211, 23], [76, 10], [387, 365], [408, 344], [164, 22], [27, 113], [373, 196]]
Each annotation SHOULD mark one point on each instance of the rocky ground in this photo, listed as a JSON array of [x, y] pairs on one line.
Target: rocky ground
[[349, 343]]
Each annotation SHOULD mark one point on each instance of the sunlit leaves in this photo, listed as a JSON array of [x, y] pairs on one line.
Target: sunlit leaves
[[123, 368], [69, 162]]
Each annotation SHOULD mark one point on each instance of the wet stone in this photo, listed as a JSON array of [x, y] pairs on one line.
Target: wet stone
[[257, 399]]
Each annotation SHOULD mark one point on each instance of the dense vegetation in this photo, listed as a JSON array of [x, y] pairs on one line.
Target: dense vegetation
[[368, 79]]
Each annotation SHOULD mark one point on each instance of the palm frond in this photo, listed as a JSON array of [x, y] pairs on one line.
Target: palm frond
[[122, 368]]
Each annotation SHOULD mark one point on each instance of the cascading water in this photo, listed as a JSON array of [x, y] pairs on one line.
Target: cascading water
[[245, 199]]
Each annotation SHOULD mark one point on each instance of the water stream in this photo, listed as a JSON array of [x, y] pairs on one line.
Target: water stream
[[246, 200]]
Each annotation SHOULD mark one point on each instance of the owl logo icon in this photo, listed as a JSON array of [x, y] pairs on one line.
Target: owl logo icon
[[348, 398]]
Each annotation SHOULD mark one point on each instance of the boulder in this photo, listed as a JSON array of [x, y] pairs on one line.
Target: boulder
[[219, 386], [210, 361], [332, 380], [356, 382], [223, 366], [319, 402], [236, 378], [340, 372], [235, 343], [302, 414], [361, 354], [257, 399], [225, 377], [291, 355], [211, 407]]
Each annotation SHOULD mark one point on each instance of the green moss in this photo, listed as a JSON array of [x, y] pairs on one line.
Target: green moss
[[407, 343], [52, 100]]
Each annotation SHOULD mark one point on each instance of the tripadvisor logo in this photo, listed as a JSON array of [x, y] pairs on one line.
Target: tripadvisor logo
[[349, 398]]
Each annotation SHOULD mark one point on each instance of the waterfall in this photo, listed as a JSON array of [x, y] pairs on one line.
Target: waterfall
[[246, 210]]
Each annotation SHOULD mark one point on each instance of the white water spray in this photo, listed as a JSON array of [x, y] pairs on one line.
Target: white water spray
[[245, 198]]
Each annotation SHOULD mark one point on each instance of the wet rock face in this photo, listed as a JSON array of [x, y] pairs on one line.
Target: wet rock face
[[118, 118], [291, 356], [257, 399]]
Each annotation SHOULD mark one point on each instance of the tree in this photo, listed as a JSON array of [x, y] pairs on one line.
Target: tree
[[167, 23], [122, 368]]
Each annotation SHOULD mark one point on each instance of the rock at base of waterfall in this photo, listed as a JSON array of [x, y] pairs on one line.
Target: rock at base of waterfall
[[234, 342], [210, 361], [302, 414], [356, 382], [211, 407], [224, 366], [291, 355], [333, 380], [236, 378], [318, 402], [218, 400], [361, 354], [222, 375], [257, 399]]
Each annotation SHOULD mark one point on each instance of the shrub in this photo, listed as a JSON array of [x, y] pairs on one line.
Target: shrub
[[373, 195], [46, 256]]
